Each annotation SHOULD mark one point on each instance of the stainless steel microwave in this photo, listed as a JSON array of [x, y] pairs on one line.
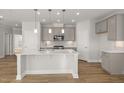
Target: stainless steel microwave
[[58, 37]]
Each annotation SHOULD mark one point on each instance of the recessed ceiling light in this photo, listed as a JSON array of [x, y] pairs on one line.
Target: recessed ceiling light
[[73, 20], [58, 13], [58, 20], [43, 20], [77, 13], [38, 12], [1, 17]]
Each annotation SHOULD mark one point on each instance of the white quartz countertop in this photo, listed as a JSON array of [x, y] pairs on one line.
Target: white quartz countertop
[[50, 52], [113, 51]]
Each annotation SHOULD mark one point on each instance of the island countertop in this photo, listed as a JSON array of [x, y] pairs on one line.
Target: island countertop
[[49, 52], [113, 51]]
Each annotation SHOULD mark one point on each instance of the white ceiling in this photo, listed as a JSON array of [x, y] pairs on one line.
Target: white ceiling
[[16, 16]]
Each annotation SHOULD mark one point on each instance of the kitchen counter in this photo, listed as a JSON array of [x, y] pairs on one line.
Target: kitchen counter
[[50, 61], [113, 51], [113, 62], [50, 51], [75, 48]]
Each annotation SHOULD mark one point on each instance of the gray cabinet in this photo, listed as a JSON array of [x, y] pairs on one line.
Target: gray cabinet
[[112, 28], [105, 61], [46, 36], [113, 62], [69, 33], [101, 27], [116, 27], [56, 31]]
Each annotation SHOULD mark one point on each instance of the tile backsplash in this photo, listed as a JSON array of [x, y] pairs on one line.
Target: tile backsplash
[[64, 43]]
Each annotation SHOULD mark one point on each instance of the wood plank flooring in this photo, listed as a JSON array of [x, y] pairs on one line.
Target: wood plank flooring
[[88, 73]]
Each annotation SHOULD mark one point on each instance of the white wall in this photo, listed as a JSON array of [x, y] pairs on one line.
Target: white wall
[[87, 41], [93, 43], [82, 38]]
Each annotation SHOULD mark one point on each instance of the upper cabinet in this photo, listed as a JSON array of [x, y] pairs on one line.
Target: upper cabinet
[[116, 27], [101, 27], [46, 36], [112, 28], [69, 33]]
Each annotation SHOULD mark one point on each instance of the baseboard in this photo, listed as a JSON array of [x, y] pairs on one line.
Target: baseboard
[[48, 72], [19, 77], [93, 61], [75, 76]]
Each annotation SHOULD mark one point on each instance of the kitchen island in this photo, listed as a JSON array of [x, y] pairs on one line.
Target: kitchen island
[[50, 61]]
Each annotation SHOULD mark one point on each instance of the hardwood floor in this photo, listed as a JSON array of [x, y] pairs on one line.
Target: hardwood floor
[[88, 72]]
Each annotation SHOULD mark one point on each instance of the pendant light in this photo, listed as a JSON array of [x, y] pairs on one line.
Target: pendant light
[[50, 30], [35, 26], [62, 30]]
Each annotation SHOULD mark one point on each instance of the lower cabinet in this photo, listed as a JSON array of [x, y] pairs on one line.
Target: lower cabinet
[[113, 62], [106, 61]]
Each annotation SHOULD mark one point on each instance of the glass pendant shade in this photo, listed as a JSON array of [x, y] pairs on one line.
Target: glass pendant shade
[[50, 30], [62, 30], [35, 30]]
